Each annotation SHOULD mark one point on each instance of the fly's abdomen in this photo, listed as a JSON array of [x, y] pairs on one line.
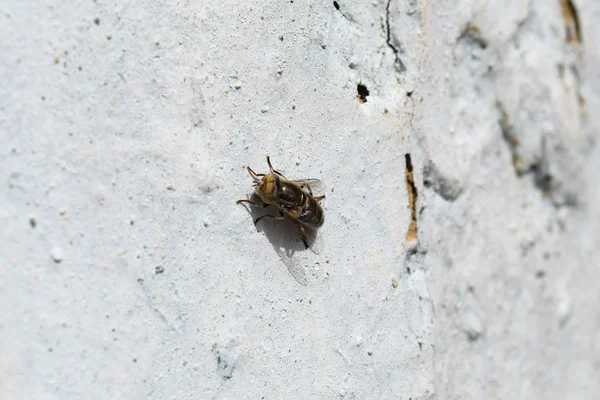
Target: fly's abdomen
[[312, 214]]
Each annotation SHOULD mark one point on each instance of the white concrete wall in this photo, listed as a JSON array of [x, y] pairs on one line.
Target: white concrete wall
[[128, 271]]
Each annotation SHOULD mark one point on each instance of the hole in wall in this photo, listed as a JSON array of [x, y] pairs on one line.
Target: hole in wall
[[363, 92]]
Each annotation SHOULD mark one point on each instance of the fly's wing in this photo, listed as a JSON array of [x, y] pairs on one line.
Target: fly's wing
[[314, 237], [315, 187], [306, 266]]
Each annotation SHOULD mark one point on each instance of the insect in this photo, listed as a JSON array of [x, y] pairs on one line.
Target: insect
[[293, 198]]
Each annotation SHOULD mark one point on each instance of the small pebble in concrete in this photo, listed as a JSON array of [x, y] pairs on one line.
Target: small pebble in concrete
[[57, 254], [473, 325]]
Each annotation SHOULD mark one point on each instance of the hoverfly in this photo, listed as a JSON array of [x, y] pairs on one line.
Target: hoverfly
[[293, 198]]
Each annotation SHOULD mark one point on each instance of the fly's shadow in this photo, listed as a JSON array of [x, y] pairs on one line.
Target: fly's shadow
[[285, 237]]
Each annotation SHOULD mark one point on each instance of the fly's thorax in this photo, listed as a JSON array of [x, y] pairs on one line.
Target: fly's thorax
[[290, 195], [268, 188]]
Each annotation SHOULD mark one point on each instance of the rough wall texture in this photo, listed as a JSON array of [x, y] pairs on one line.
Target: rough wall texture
[[460, 249]]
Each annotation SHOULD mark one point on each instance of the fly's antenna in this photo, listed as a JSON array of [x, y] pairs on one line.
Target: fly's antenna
[[274, 170], [270, 166]]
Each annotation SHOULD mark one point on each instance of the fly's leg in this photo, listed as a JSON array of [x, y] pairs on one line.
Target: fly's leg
[[319, 197], [293, 214], [254, 174], [252, 202], [273, 170], [302, 230], [281, 216]]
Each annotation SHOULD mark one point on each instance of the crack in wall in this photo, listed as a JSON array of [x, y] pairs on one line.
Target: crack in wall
[[472, 34], [541, 173], [543, 180], [412, 233], [573, 36], [553, 183], [398, 64], [510, 139], [450, 189], [571, 22]]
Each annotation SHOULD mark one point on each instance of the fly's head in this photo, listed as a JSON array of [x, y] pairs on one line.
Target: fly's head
[[266, 187]]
